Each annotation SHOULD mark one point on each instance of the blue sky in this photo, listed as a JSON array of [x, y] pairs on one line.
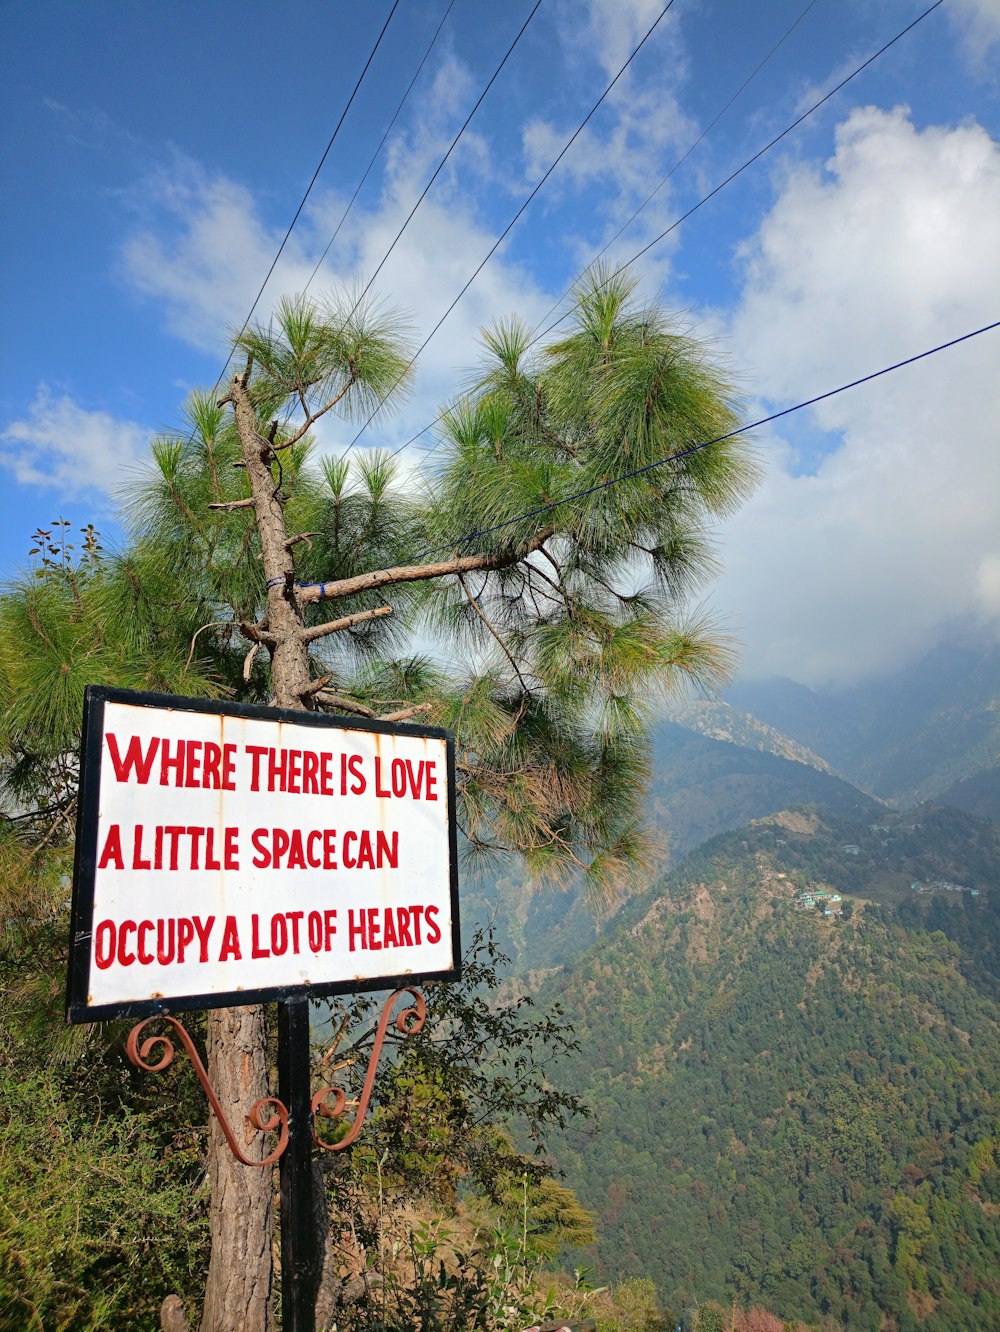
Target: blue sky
[[153, 157]]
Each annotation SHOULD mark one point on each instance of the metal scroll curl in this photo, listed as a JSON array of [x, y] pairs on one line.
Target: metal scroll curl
[[409, 1021], [139, 1055]]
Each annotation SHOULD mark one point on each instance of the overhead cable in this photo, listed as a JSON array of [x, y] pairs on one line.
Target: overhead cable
[[381, 143], [708, 443], [309, 187], [679, 163], [711, 195], [510, 225], [451, 148]]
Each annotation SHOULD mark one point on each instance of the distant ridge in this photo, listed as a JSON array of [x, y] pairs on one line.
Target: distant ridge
[[722, 721], [907, 737]]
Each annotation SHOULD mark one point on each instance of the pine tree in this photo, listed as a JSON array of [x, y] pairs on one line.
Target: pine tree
[[550, 628]]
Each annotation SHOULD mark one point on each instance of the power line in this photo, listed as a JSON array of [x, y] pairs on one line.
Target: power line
[[315, 176], [718, 439], [374, 156], [760, 153], [680, 161], [437, 170], [712, 193], [510, 225]]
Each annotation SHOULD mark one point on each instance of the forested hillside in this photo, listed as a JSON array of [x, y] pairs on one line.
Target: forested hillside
[[701, 786], [792, 1107]]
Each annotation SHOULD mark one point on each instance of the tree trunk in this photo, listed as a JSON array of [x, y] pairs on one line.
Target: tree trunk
[[240, 1273], [241, 1270]]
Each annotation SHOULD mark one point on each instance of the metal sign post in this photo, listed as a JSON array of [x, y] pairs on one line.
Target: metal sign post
[[228, 855]]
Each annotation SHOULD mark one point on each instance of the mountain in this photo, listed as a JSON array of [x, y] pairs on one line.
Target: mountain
[[721, 721], [904, 738], [700, 787], [979, 794], [795, 1108]]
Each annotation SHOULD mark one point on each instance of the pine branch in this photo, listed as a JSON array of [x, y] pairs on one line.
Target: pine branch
[[413, 573], [346, 622], [312, 417], [503, 646]]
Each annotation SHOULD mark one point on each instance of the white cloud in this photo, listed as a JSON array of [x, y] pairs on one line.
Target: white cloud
[[978, 22], [203, 250], [63, 446], [890, 528]]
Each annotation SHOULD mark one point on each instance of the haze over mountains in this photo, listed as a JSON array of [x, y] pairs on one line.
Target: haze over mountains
[[906, 737], [791, 1043]]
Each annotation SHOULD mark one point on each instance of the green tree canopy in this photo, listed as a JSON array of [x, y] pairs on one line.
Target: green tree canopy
[[530, 589]]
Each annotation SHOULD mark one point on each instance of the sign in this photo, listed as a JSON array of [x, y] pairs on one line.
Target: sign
[[229, 854]]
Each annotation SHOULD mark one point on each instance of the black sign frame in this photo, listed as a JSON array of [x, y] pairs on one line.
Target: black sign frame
[[85, 865]]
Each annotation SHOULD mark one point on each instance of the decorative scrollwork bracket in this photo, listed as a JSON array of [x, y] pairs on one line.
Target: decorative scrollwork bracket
[[408, 1022]]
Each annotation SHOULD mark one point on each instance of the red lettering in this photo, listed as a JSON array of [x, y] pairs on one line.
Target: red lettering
[[258, 838], [213, 761], [232, 850], [104, 944], [356, 928], [279, 935], [112, 849], [125, 959], [185, 936], [293, 924], [380, 791], [211, 861], [313, 856], [374, 928], [430, 919], [229, 767], [230, 946], [386, 850], [310, 770], [255, 948], [192, 763], [195, 834], [326, 774], [329, 848], [321, 930], [256, 753], [166, 941], [145, 956], [168, 762], [391, 938], [173, 832], [204, 929], [416, 912], [135, 758], [359, 784], [296, 855], [277, 768], [137, 861], [403, 925], [366, 859]]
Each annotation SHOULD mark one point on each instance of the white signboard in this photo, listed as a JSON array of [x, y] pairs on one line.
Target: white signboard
[[229, 854]]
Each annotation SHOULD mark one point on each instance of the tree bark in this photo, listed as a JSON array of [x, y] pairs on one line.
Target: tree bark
[[238, 1296], [240, 1273]]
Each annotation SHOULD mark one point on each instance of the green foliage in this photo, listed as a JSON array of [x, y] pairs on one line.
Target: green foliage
[[96, 1224], [788, 1110]]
